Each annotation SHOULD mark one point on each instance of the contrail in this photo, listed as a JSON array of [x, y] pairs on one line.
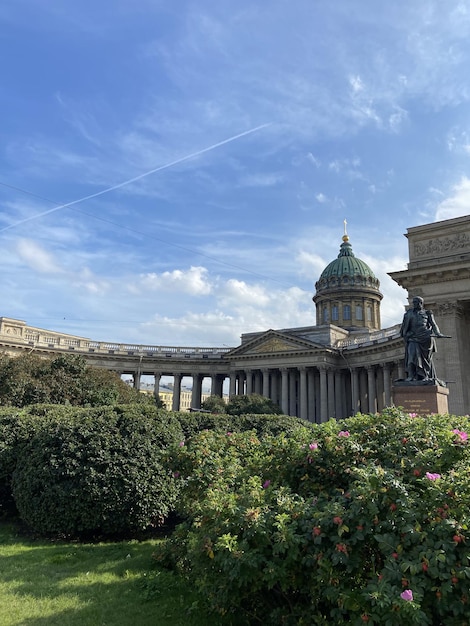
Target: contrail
[[132, 180]]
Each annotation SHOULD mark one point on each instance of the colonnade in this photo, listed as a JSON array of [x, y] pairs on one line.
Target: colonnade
[[314, 393]]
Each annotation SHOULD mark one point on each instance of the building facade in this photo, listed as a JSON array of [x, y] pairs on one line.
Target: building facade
[[345, 364]]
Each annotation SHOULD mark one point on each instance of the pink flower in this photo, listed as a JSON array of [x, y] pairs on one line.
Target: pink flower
[[228, 434], [413, 414], [461, 433], [266, 484], [407, 595], [431, 476], [181, 444], [313, 446], [343, 433]]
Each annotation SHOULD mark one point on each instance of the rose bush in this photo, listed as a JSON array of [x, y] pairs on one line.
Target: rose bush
[[363, 520]]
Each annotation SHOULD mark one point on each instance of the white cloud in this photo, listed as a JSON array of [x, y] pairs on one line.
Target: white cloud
[[313, 159], [397, 119], [261, 180], [356, 83], [193, 281], [36, 257], [311, 264], [236, 293], [458, 140], [458, 203], [94, 285], [321, 198]]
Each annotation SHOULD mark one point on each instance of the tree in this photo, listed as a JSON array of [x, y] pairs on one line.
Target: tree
[[64, 379], [159, 402], [214, 404], [254, 403]]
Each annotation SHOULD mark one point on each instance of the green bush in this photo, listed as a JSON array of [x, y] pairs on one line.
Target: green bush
[[193, 423], [95, 471], [65, 379], [365, 520], [214, 404], [252, 403]]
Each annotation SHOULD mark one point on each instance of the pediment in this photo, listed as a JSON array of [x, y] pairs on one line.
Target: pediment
[[273, 342]]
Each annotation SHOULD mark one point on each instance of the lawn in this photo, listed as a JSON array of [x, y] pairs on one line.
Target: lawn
[[45, 583]]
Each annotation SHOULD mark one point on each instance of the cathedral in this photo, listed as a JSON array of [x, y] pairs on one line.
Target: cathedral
[[344, 364]]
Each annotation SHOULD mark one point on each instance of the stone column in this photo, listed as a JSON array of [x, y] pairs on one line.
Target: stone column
[[331, 393], [339, 394], [217, 388], [241, 384], [257, 382], [371, 394], [323, 395], [452, 360], [196, 395], [176, 392], [137, 376], [285, 390], [233, 384], [249, 382], [401, 369], [363, 391], [303, 394], [275, 387], [311, 395], [265, 374], [387, 384], [293, 393], [355, 391]]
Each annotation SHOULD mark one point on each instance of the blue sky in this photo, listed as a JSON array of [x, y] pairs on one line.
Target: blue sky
[[210, 151]]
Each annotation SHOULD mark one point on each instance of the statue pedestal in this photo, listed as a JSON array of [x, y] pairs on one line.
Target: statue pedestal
[[420, 399]]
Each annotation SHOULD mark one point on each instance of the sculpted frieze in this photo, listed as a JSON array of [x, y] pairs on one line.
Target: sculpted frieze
[[441, 245], [12, 330]]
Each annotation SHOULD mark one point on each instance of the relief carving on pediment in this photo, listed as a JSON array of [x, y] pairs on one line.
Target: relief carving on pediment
[[274, 345]]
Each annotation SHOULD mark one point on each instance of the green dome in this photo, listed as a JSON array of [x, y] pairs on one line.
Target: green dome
[[347, 271]]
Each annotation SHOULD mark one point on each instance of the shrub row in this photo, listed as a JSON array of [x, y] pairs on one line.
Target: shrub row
[[365, 520], [98, 471]]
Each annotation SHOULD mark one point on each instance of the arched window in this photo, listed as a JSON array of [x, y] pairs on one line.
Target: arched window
[[369, 314], [346, 312], [358, 312], [334, 313], [326, 316]]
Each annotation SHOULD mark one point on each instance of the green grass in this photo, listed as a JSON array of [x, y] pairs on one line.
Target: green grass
[[44, 583]]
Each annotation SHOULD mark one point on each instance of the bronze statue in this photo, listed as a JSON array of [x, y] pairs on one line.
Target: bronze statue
[[419, 330]]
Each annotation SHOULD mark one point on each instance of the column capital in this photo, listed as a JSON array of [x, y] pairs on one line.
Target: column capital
[[443, 309]]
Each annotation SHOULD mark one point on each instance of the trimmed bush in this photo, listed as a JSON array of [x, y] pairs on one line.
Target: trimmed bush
[[364, 520], [193, 423], [95, 471], [253, 403]]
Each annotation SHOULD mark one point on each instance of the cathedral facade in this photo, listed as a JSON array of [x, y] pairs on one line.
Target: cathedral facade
[[344, 364]]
